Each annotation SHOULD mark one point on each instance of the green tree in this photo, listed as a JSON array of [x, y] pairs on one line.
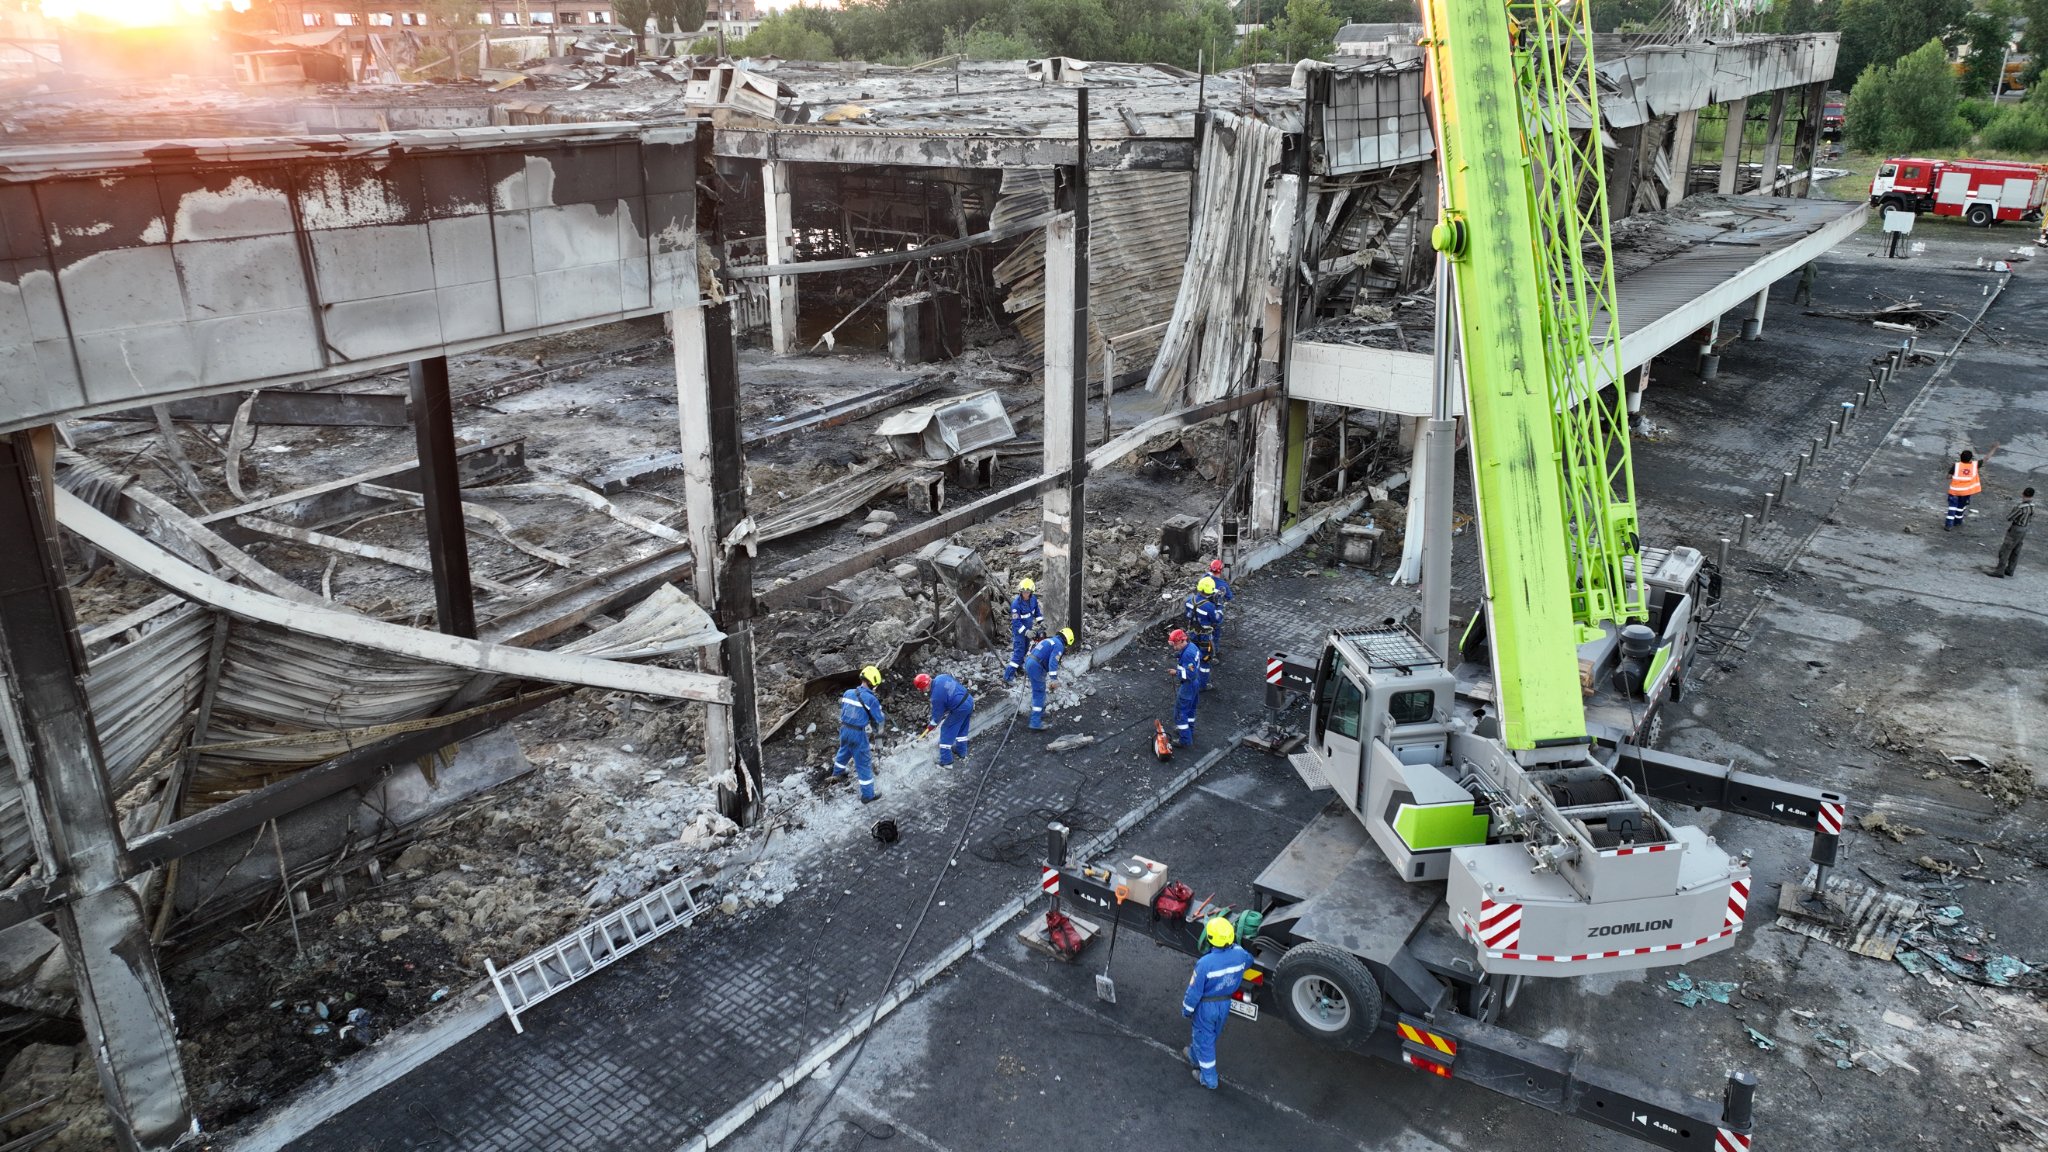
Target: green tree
[[1921, 102], [985, 42], [679, 17], [1988, 30], [632, 15], [1083, 29], [2022, 131], [1865, 119], [2034, 40], [785, 35], [1610, 15], [1307, 30], [1880, 31], [1378, 11]]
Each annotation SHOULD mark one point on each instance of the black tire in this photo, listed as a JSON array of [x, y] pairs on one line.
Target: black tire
[[1893, 203], [1490, 1000], [1980, 215], [1327, 994]]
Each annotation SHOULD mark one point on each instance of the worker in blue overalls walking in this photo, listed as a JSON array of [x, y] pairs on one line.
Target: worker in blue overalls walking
[[1222, 596], [1190, 674], [952, 711], [1042, 668], [1025, 618], [1215, 981], [860, 715], [1204, 620]]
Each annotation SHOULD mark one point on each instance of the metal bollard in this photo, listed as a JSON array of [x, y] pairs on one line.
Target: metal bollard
[[1827, 438], [1862, 400], [1799, 463], [1721, 556], [1742, 533], [1848, 413], [1784, 482], [1770, 498]]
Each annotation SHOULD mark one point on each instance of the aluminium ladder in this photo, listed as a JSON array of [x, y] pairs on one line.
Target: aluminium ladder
[[596, 945]]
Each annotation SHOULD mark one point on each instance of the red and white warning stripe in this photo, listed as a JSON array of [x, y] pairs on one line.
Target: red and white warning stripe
[[1273, 667], [1726, 1140], [1500, 925], [1830, 820], [1738, 904], [1049, 880], [1637, 849], [1507, 954]]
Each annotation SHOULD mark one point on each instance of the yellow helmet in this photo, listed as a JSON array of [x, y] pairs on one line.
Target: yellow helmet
[[1025, 585], [1221, 934], [872, 675], [1206, 586], [1067, 634]]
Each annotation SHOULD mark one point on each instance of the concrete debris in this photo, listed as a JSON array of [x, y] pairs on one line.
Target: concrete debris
[[1070, 742], [1880, 822]]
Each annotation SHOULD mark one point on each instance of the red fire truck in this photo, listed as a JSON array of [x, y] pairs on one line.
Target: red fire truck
[[1831, 119], [1980, 191]]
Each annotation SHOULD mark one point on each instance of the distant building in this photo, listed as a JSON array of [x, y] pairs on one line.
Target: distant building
[[300, 15], [1388, 41]]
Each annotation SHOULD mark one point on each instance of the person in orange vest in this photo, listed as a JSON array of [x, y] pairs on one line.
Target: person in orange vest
[[1965, 479]]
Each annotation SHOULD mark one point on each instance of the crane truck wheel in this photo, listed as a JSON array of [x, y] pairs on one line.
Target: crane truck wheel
[[1327, 994], [1489, 1001]]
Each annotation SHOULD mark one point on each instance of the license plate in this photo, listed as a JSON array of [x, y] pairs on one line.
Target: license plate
[[1244, 1008]]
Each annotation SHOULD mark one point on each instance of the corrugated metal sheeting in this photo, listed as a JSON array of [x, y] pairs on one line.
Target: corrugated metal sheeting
[[141, 694], [1137, 246], [1230, 263], [1666, 79]]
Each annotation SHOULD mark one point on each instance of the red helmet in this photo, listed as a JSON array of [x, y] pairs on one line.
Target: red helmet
[[1216, 566], [1177, 636], [923, 682]]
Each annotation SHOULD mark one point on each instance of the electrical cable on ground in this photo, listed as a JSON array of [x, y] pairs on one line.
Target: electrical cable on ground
[[931, 897]]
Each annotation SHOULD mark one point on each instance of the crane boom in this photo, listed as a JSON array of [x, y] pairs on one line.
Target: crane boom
[[1522, 202]]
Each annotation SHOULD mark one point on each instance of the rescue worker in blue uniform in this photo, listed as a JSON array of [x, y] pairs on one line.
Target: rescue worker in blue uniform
[[1223, 596], [860, 714], [952, 709], [1025, 618], [1189, 672], [1204, 620], [1216, 978], [1042, 668]]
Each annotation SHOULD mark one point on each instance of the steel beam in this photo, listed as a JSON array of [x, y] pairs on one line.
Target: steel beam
[[824, 144], [323, 504], [306, 409], [50, 736], [1731, 144], [440, 483]]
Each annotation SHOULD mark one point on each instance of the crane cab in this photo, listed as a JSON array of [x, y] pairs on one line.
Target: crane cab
[[1382, 735]]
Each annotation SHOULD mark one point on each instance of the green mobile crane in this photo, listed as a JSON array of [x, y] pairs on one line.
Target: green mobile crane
[[1491, 818]]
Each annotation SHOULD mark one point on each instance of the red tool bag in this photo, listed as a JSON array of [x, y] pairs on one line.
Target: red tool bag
[[1062, 935], [1173, 901]]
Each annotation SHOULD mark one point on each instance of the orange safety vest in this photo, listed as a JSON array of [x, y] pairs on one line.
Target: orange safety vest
[[1965, 481]]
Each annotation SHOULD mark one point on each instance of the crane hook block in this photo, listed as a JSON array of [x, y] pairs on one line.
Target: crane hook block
[[1448, 237]]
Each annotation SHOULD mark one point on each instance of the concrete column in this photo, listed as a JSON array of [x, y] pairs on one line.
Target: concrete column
[[1753, 327], [1621, 171], [1806, 146], [1731, 145], [714, 501], [48, 731], [1774, 136], [1710, 360], [1267, 457], [1683, 126], [781, 289], [1062, 542], [433, 423], [1634, 383]]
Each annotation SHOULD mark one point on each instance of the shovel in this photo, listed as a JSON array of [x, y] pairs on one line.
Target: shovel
[[1105, 987]]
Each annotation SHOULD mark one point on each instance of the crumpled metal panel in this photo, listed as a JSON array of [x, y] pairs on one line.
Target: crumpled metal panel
[[948, 428], [141, 693]]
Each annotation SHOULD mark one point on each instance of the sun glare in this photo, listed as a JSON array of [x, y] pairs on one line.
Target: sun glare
[[136, 13]]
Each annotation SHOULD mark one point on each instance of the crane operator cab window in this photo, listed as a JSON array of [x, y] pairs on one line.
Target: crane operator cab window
[[1345, 703], [1416, 706]]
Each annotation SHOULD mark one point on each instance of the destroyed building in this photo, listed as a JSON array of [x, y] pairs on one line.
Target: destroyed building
[[446, 514]]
